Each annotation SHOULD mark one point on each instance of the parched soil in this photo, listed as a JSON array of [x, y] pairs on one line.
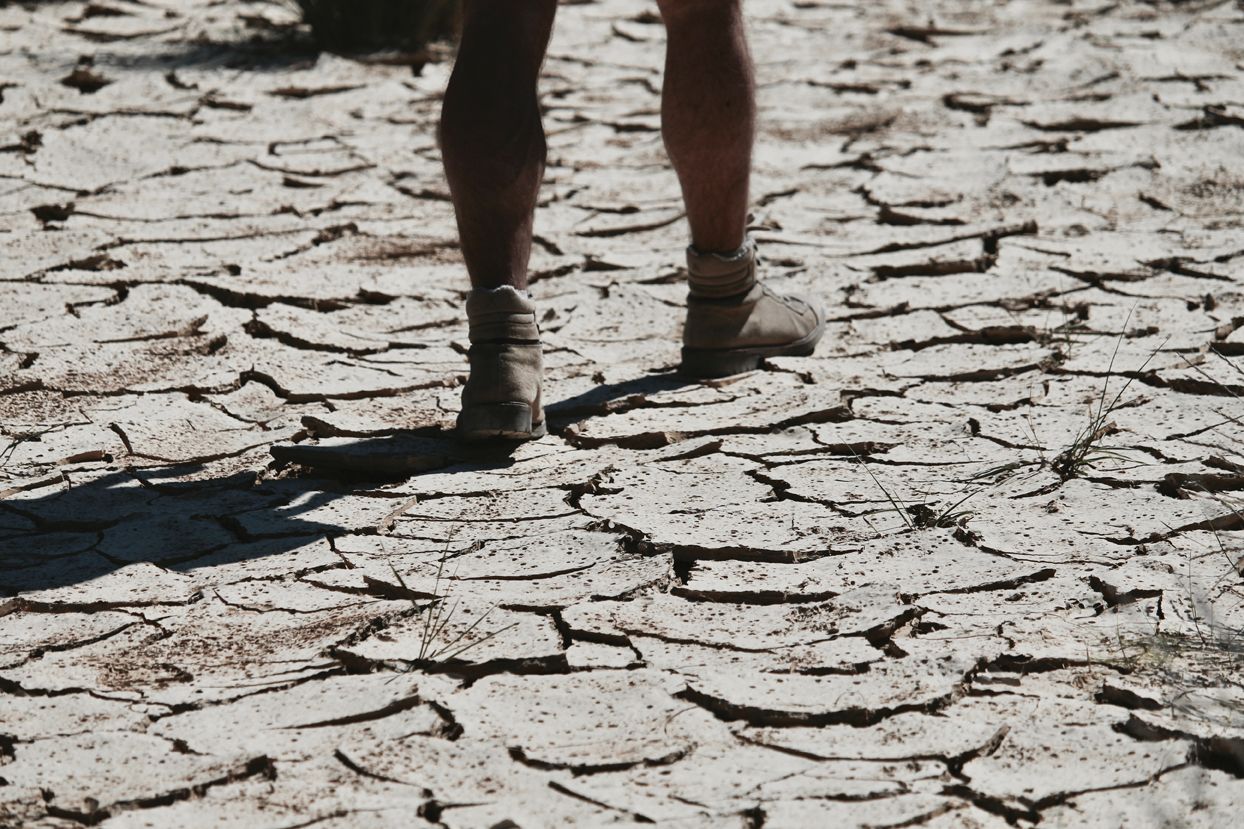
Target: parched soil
[[976, 563]]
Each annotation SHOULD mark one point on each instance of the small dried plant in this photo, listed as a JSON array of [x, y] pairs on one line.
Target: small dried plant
[[1087, 448], [433, 643]]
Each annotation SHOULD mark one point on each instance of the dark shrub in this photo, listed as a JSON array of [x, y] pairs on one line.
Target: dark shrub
[[372, 25]]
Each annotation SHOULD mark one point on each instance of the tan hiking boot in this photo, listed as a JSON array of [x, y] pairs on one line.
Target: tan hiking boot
[[501, 398], [734, 321]]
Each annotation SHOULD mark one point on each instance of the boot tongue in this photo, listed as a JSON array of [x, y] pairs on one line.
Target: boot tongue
[[721, 275], [503, 314]]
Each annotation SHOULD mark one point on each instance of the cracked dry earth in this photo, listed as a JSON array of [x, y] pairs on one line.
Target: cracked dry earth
[[975, 563]]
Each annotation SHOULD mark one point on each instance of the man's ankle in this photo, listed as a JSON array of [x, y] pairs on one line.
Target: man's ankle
[[721, 276], [502, 315]]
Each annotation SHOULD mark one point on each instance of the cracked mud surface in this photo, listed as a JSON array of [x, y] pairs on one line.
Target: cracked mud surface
[[976, 563]]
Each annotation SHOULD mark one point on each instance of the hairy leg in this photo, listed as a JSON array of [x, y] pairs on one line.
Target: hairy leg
[[708, 116], [491, 138]]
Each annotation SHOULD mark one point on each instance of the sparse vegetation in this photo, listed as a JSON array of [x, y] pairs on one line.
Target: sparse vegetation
[[948, 516], [1207, 653], [433, 645], [921, 515], [1086, 449]]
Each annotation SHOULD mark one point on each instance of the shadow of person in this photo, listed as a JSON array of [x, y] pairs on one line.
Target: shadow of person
[[405, 452], [608, 397], [78, 532], [72, 533], [168, 516]]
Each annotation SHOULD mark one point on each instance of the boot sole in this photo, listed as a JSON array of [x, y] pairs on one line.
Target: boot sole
[[723, 362], [504, 421]]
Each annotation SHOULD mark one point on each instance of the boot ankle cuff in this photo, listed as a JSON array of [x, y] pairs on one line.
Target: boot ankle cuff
[[719, 275], [502, 314]]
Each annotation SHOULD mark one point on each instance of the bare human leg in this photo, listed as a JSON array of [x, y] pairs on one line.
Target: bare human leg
[[708, 119], [492, 141], [708, 116]]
